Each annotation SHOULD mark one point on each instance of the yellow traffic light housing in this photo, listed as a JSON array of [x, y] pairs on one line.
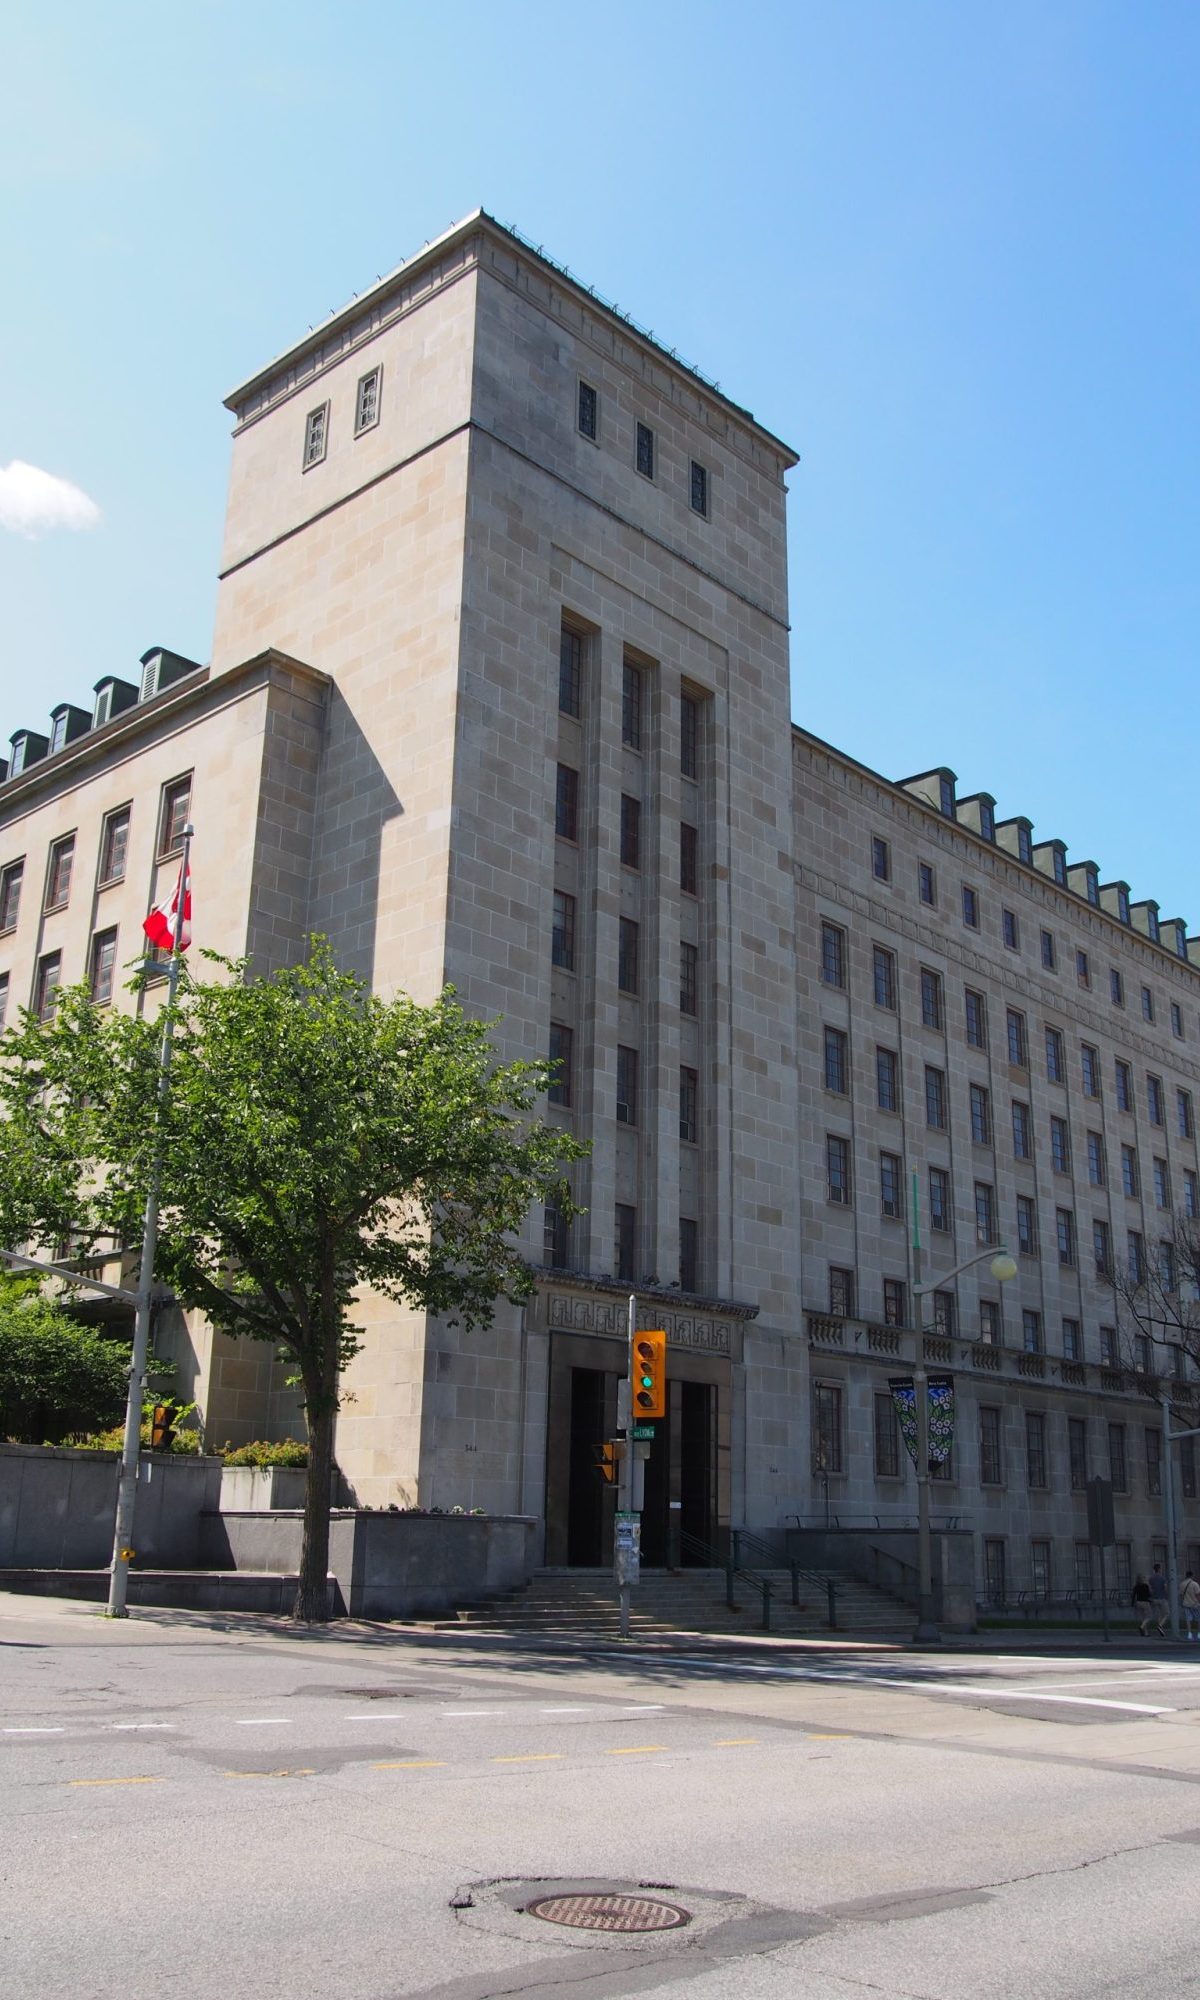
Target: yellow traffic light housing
[[607, 1460], [650, 1375]]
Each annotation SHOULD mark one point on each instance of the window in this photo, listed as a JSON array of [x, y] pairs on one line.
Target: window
[[1039, 1567], [627, 1082], [366, 402], [1090, 1063], [1011, 930], [1191, 1194], [103, 966], [689, 979], [1166, 1265], [987, 820], [1155, 1101], [562, 1043], [1031, 1331], [644, 451], [1077, 1453], [1083, 1571], [1095, 1158], [698, 488], [981, 1115], [114, 847], [895, 1302], [891, 1185], [1187, 1479], [1060, 1146], [985, 1213], [1026, 1226], [946, 797], [939, 1198], [562, 936], [45, 985], [556, 1238], [1124, 1077], [887, 1079], [931, 998], [943, 1314], [1064, 1223], [926, 885], [1129, 1171], [881, 859], [1055, 1067], [689, 1254], [1048, 950], [58, 875], [627, 955], [935, 1099], [689, 1106], [3, 998], [10, 894], [631, 831], [1118, 1471], [1082, 969], [1147, 1004], [976, 1015], [841, 1292], [689, 736], [1035, 1450], [625, 1247], [566, 803], [1162, 1184], [631, 707], [1072, 1345], [1018, 1044], [1153, 1461], [994, 1583], [1177, 1020], [1183, 1103], [1024, 846], [991, 1464], [837, 1170], [173, 817], [833, 955], [887, 1439], [884, 968], [587, 412], [989, 1322], [1116, 988], [827, 1427], [1101, 1249], [689, 867], [970, 907], [1136, 1258], [1022, 1142], [1108, 1346], [570, 672], [316, 428]]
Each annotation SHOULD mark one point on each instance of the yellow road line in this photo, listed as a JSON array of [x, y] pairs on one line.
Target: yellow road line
[[829, 1735], [413, 1764], [301, 1773], [115, 1781], [532, 1757], [732, 1742], [636, 1750]]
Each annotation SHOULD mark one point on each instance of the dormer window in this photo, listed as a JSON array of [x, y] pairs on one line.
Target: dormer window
[[103, 708], [17, 761], [1181, 950], [58, 731], [1025, 846], [1092, 884], [1152, 924], [987, 820], [946, 797], [1060, 866], [1123, 904]]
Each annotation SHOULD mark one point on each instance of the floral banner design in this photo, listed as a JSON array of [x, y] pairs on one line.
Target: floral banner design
[[941, 1415]]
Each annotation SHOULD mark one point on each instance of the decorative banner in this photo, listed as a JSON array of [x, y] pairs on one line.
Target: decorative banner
[[941, 1415]]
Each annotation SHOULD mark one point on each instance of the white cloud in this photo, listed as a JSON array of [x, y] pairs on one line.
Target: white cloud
[[31, 501]]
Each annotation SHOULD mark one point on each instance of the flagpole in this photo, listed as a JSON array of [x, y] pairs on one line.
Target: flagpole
[[123, 1552]]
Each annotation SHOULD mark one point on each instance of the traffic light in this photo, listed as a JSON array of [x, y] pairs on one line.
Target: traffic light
[[162, 1428], [608, 1457], [650, 1375]]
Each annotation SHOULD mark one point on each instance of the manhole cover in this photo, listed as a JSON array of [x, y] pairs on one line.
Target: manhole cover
[[609, 1913]]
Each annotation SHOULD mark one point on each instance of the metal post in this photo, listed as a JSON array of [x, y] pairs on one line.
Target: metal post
[[1104, 1595], [927, 1632], [1169, 1498], [625, 1487], [128, 1476]]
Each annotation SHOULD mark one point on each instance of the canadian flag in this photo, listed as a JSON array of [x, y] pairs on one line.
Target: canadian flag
[[159, 926]]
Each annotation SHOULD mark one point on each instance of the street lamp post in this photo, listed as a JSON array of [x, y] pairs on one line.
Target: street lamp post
[[1003, 1267], [1171, 1437]]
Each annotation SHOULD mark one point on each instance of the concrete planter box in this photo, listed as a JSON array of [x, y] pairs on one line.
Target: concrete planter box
[[254, 1489], [57, 1507]]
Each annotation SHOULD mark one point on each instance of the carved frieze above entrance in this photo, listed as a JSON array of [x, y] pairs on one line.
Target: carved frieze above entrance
[[596, 1313]]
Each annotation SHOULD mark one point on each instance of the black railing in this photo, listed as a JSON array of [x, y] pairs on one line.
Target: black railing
[[750, 1557]]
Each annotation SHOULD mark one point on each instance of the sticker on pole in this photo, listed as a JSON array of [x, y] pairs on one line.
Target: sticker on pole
[[627, 1548]]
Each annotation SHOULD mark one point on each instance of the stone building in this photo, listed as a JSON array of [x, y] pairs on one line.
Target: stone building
[[499, 696]]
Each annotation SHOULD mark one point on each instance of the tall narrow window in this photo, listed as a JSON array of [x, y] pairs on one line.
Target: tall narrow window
[[1010, 929], [1035, 1449], [103, 966], [3, 998], [1055, 1062], [926, 883], [827, 1427], [631, 707], [1071, 1344], [841, 1292], [1147, 1004], [698, 488], [689, 1106], [976, 1018], [556, 1238], [1101, 1248], [45, 985], [1183, 1102], [570, 672], [884, 970], [887, 1079], [58, 875], [895, 1302], [990, 1457], [1064, 1222], [627, 1085], [366, 402], [173, 816], [644, 451], [631, 832], [837, 1065], [689, 736], [970, 907], [1129, 1171], [1031, 1330], [1124, 1076], [10, 894], [587, 411], [837, 1170], [939, 1199], [689, 979], [891, 1185], [562, 1044], [1060, 1146], [1048, 957], [931, 998], [985, 1214], [1090, 1065], [935, 1099], [689, 868], [1118, 1470], [1116, 988], [881, 859], [114, 847], [981, 1115], [566, 803], [627, 955], [1155, 1101], [1022, 1139], [1095, 1155], [1077, 1453], [316, 426], [1018, 1044], [1026, 1226], [833, 955], [562, 937], [887, 1439]]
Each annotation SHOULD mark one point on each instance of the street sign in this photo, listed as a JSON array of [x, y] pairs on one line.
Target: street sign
[[1102, 1531], [643, 1433]]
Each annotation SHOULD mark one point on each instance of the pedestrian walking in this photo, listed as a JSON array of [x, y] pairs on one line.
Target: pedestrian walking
[[1161, 1602], [1143, 1603], [1189, 1604]]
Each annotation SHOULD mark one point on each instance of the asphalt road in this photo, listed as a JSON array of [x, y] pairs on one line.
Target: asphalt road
[[200, 1806]]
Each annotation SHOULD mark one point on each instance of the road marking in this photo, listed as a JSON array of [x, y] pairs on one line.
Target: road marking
[[37, 1729], [379, 1715], [1065, 1700], [593, 1710], [258, 1721], [532, 1757], [269, 1774], [472, 1711], [636, 1750], [115, 1781], [641, 1707], [732, 1742], [141, 1725], [414, 1764], [734, 1670], [829, 1735]]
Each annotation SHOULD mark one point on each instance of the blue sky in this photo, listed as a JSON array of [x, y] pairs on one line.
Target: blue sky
[[946, 249]]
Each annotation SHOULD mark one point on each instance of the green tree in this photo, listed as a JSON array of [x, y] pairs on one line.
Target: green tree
[[57, 1378], [317, 1141]]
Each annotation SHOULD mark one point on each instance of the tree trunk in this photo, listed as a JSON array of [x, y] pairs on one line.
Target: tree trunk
[[320, 1406]]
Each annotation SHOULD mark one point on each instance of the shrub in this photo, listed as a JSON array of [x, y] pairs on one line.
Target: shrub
[[56, 1376], [287, 1452]]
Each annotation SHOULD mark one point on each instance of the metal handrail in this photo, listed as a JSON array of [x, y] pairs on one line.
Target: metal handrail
[[752, 1572]]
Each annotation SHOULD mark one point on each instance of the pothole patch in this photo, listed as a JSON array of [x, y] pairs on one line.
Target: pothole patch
[[609, 1912]]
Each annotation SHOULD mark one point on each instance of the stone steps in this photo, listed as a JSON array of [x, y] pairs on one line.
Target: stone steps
[[575, 1603]]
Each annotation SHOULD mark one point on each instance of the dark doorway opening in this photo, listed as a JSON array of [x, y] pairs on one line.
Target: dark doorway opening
[[587, 1490]]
